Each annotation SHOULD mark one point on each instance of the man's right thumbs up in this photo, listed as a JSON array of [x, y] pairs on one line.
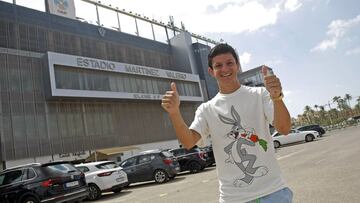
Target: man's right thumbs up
[[173, 87], [171, 101]]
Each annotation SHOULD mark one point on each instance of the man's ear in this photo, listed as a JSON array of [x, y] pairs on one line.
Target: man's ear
[[211, 71], [239, 68]]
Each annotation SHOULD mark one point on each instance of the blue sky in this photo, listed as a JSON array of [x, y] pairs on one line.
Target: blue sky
[[313, 46]]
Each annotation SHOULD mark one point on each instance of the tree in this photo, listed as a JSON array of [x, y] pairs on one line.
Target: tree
[[307, 113], [316, 107], [347, 98], [337, 100]]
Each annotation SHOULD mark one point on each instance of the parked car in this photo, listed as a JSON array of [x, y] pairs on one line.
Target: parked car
[[158, 165], [103, 176], [293, 136], [193, 160], [210, 155], [317, 128], [49, 182]]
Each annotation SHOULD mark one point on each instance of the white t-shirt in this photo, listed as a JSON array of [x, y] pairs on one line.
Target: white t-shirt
[[244, 152]]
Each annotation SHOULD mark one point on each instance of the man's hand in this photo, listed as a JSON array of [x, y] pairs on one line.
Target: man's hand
[[171, 101], [271, 82]]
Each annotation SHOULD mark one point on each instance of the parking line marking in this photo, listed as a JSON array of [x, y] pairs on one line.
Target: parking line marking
[[163, 194], [289, 155]]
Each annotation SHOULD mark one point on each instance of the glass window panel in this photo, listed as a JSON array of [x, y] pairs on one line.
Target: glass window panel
[[120, 83], [127, 24], [108, 18], [133, 85], [87, 13], [160, 34], [127, 85], [33, 4], [155, 85], [113, 83], [145, 29], [149, 86]]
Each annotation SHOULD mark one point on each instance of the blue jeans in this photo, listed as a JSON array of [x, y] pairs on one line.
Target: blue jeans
[[284, 195]]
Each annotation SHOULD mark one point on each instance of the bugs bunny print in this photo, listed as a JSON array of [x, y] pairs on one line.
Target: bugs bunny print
[[242, 138]]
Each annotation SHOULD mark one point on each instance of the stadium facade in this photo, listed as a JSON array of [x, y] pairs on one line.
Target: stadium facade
[[70, 87]]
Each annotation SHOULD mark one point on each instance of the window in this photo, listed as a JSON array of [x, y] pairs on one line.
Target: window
[[61, 168], [108, 165], [144, 159], [29, 174], [129, 162], [11, 177], [83, 169]]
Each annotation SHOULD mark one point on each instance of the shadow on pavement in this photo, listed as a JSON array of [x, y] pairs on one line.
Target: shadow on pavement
[[111, 195]]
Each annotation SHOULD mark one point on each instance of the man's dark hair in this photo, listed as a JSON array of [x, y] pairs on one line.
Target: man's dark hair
[[221, 49]]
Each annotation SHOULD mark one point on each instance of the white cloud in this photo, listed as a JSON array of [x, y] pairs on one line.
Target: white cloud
[[274, 62], [211, 16], [292, 5], [353, 51], [245, 58], [336, 31]]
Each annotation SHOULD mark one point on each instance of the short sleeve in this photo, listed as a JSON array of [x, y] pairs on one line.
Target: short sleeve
[[200, 123], [268, 106]]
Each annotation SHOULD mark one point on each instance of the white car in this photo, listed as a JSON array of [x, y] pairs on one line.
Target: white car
[[294, 136], [103, 176]]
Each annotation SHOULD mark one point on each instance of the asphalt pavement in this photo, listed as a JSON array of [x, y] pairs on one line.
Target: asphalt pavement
[[326, 170]]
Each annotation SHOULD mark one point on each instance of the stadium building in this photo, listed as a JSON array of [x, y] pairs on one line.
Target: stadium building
[[69, 87]]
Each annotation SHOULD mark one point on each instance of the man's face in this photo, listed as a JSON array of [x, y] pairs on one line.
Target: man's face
[[225, 68]]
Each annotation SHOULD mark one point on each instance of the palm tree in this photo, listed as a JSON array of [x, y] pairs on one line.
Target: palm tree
[[307, 112], [347, 98], [336, 99], [316, 107], [322, 115]]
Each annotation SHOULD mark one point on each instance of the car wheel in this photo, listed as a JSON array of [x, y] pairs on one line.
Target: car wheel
[[30, 200], [160, 176], [309, 138], [94, 192], [276, 144], [117, 190], [194, 167]]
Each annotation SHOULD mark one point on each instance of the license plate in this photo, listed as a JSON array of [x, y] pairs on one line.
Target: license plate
[[120, 179], [72, 184]]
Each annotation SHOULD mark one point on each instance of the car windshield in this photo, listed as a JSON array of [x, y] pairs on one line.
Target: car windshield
[[61, 168], [167, 154], [108, 165]]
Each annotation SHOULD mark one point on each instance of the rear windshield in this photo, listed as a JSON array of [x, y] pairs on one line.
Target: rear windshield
[[108, 165], [61, 168], [167, 154]]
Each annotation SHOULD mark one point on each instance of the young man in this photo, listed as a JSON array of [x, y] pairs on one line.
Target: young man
[[238, 119]]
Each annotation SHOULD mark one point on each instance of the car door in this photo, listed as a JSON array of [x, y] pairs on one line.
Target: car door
[[144, 167], [293, 136], [11, 184], [129, 166]]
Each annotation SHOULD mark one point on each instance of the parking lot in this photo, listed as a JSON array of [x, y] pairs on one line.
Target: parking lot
[[325, 170]]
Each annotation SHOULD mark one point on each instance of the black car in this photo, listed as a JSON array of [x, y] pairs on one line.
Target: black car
[[35, 183], [158, 165], [317, 128], [193, 160], [210, 159]]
